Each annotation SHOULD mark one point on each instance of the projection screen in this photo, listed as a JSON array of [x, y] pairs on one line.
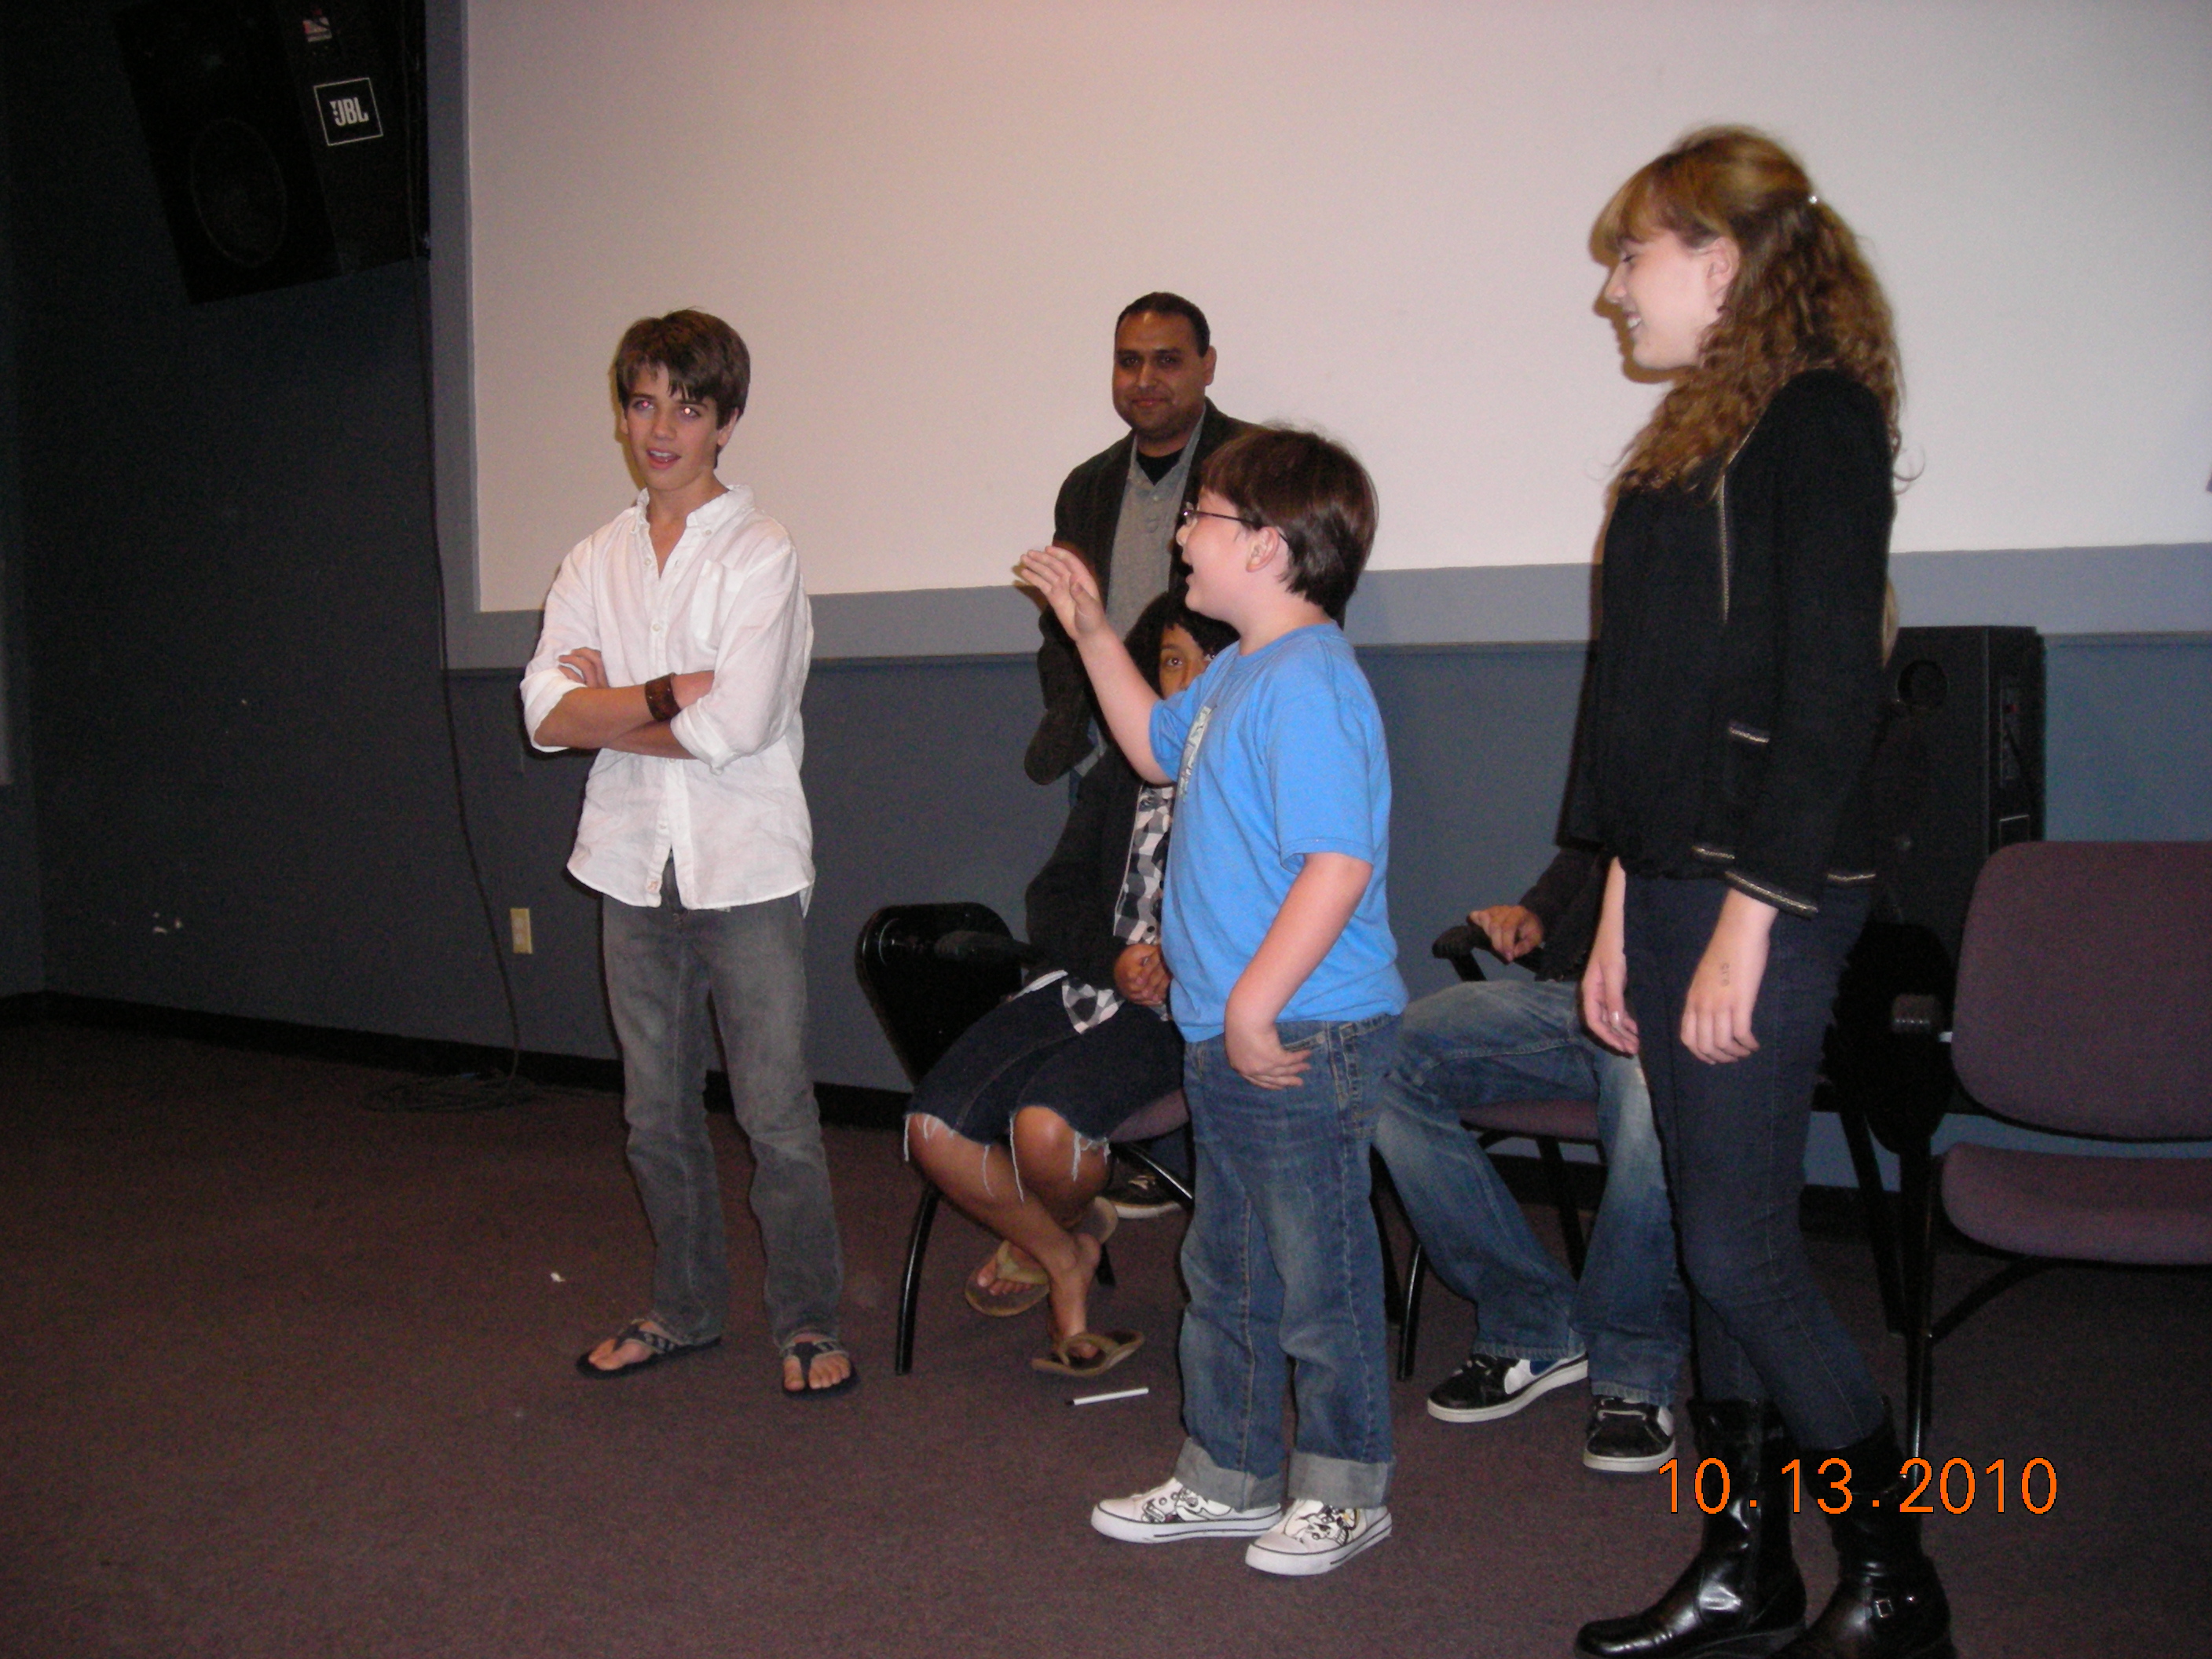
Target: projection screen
[[923, 216]]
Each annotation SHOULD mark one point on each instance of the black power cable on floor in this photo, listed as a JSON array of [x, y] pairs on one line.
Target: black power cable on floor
[[467, 1091]]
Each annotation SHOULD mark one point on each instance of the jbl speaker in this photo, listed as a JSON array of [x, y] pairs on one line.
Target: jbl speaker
[[1957, 773], [281, 134], [1959, 770]]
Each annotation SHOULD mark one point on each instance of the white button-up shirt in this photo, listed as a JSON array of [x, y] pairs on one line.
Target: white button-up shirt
[[730, 599]]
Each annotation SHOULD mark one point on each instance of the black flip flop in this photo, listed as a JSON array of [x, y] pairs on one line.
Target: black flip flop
[[658, 1345], [806, 1352]]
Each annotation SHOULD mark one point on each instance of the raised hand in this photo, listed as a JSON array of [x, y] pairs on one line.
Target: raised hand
[[1065, 578]]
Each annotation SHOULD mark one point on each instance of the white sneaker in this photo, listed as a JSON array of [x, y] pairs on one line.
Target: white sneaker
[[1172, 1511], [1312, 1537]]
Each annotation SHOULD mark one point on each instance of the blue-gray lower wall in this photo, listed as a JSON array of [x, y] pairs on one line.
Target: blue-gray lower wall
[[911, 771]]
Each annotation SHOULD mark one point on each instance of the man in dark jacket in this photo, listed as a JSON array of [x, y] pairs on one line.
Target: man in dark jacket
[[1120, 508]]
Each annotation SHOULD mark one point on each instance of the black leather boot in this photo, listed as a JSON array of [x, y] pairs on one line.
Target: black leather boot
[[1888, 1603], [1740, 1595]]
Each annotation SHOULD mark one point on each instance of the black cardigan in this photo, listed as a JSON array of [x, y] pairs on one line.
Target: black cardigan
[[1731, 704], [1084, 518], [1069, 907]]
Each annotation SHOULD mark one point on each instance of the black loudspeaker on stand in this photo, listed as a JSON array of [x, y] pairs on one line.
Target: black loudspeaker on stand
[[1958, 773], [283, 134]]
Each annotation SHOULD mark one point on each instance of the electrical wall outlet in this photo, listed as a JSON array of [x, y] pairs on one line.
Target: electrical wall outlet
[[518, 922]]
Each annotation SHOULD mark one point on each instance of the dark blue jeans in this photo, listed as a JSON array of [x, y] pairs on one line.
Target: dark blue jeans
[[1283, 1264], [1734, 1137]]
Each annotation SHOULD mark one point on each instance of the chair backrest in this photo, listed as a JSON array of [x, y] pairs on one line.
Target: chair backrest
[[925, 1003], [2084, 988]]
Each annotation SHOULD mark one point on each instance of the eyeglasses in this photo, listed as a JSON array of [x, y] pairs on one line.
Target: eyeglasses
[[1192, 510]]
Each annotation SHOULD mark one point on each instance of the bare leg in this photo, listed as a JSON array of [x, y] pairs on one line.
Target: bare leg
[[1064, 1174], [1038, 1214]]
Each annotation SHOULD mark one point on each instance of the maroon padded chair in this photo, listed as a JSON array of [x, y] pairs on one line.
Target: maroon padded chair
[[2084, 1008]]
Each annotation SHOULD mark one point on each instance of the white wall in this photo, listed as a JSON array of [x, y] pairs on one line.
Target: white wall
[[924, 214]]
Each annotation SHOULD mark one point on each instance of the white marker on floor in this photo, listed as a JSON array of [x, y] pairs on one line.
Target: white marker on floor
[[1100, 1399]]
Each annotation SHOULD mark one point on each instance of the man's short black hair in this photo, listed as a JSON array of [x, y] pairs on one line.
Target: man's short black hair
[[1164, 304], [702, 354], [1313, 492]]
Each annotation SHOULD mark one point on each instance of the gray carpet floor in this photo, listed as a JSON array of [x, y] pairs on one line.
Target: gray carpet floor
[[282, 1375]]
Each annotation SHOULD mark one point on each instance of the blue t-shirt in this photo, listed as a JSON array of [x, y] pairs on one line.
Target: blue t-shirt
[[1277, 755]]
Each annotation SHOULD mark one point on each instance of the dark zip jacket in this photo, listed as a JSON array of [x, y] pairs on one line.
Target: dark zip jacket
[[1070, 906], [1084, 518], [1730, 708]]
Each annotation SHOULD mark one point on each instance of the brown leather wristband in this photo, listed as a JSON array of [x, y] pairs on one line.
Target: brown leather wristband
[[660, 698]]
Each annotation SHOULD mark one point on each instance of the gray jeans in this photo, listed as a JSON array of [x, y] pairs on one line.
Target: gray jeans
[[662, 964]]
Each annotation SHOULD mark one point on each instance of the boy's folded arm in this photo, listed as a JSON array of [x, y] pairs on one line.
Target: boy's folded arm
[[592, 717], [762, 647]]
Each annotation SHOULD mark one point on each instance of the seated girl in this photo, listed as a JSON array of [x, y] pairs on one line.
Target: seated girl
[[1012, 1123]]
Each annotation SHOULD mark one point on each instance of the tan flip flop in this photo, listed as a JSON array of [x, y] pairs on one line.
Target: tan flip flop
[[1107, 1349], [1100, 1219], [1005, 1270]]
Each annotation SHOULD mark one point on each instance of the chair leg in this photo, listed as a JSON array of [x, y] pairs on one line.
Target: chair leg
[[1172, 1182], [1915, 1196], [1394, 1298], [1409, 1328], [1875, 1206], [2021, 1267], [1563, 1200], [917, 1244]]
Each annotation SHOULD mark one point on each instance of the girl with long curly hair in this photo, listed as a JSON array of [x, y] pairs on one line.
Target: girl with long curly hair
[[1730, 716]]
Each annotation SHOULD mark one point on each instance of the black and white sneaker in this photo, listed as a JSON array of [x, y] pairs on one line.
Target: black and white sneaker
[[1313, 1537], [1491, 1386], [1137, 1193], [1626, 1437], [1171, 1510]]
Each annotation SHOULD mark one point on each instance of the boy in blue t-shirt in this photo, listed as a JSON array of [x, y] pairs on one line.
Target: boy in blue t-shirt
[[1276, 929]]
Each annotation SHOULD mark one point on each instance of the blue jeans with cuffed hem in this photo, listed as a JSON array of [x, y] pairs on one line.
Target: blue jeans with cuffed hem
[[663, 963], [1488, 1040], [1734, 1140], [1283, 1264]]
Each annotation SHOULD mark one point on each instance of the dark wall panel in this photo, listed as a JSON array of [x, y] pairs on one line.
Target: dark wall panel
[[20, 941], [244, 802]]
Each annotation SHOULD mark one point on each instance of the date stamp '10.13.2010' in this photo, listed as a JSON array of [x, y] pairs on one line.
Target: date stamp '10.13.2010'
[[1955, 1487]]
